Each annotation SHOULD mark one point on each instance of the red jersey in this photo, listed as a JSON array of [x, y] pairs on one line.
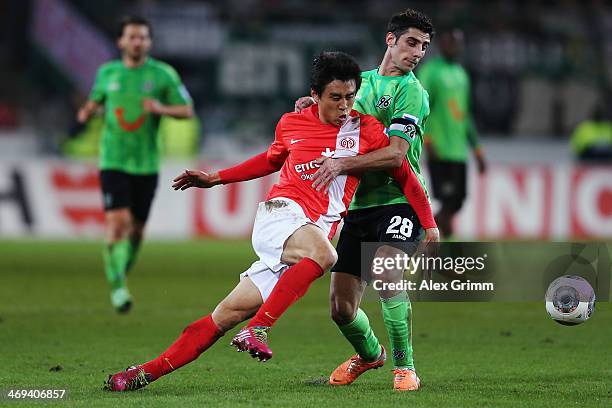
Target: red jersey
[[300, 139]]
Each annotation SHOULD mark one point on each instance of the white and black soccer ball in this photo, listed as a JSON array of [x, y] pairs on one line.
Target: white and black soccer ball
[[570, 300]]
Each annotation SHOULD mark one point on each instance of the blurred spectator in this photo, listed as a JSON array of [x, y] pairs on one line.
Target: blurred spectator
[[535, 69], [450, 131], [592, 139]]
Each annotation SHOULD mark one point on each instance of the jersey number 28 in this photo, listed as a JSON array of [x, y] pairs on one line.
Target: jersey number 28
[[404, 224]]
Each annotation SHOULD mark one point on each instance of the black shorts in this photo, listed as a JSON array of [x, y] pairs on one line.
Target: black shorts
[[448, 179], [396, 224], [123, 190]]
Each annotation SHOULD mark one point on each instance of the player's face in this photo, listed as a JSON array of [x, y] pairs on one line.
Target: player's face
[[135, 41], [451, 44], [336, 101], [408, 49]]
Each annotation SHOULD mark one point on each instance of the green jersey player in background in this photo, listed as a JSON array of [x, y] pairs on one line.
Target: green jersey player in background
[[379, 212], [450, 128], [134, 92]]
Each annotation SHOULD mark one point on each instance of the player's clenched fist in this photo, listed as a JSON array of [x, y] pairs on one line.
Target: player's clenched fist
[[303, 102], [195, 178]]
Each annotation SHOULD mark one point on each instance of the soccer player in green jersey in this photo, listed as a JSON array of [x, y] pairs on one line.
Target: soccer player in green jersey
[[379, 212], [450, 129], [134, 91]]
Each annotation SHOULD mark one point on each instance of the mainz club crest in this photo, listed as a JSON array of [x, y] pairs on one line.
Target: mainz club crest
[[347, 143]]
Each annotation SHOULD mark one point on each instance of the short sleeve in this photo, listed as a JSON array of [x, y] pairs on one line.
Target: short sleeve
[[176, 92], [410, 111], [98, 91], [277, 152]]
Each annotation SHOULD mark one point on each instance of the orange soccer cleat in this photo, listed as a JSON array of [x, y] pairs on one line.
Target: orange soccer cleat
[[352, 368], [405, 379]]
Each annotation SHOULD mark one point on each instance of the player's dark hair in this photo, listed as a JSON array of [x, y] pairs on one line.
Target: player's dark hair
[[133, 20], [401, 22], [331, 65]]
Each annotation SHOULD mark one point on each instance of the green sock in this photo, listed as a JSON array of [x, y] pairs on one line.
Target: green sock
[[360, 335], [115, 260], [133, 248], [398, 321]]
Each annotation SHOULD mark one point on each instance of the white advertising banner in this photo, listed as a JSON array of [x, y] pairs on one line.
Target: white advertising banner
[[55, 199]]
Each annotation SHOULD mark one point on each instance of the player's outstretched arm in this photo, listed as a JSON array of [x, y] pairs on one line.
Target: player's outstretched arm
[[385, 158], [417, 198], [195, 178], [176, 111], [472, 136], [87, 110], [255, 167], [481, 162]]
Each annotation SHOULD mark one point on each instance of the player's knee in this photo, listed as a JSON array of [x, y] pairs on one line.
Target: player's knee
[[331, 257], [117, 233], [342, 311], [326, 257], [119, 228], [387, 251]]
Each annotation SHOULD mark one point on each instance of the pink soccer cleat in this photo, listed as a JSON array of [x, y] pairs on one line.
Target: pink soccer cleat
[[133, 378], [255, 341]]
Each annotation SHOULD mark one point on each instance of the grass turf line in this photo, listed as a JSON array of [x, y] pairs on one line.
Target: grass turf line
[[55, 312]]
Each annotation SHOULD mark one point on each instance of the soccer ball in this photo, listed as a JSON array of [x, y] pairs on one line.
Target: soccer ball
[[570, 300]]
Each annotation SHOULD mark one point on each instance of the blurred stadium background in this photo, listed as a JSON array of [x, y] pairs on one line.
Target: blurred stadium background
[[538, 69]]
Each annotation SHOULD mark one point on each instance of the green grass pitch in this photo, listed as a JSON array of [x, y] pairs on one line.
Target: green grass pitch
[[57, 331]]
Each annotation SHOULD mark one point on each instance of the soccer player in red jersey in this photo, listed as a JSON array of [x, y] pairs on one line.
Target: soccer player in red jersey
[[293, 226], [379, 211]]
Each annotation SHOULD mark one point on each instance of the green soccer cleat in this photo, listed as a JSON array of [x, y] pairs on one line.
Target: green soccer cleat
[[121, 299]]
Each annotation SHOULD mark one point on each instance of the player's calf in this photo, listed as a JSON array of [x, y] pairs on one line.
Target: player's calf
[[193, 341]]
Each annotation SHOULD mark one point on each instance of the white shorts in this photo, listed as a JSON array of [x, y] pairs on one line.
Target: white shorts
[[274, 224]]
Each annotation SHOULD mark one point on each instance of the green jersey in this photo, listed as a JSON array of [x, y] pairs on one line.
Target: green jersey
[[130, 141], [402, 105], [450, 125]]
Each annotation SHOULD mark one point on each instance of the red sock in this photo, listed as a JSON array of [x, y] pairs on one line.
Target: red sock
[[195, 339], [292, 285]]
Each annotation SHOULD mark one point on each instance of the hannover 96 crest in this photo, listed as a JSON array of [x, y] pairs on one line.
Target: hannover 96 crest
[[384, 102]]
